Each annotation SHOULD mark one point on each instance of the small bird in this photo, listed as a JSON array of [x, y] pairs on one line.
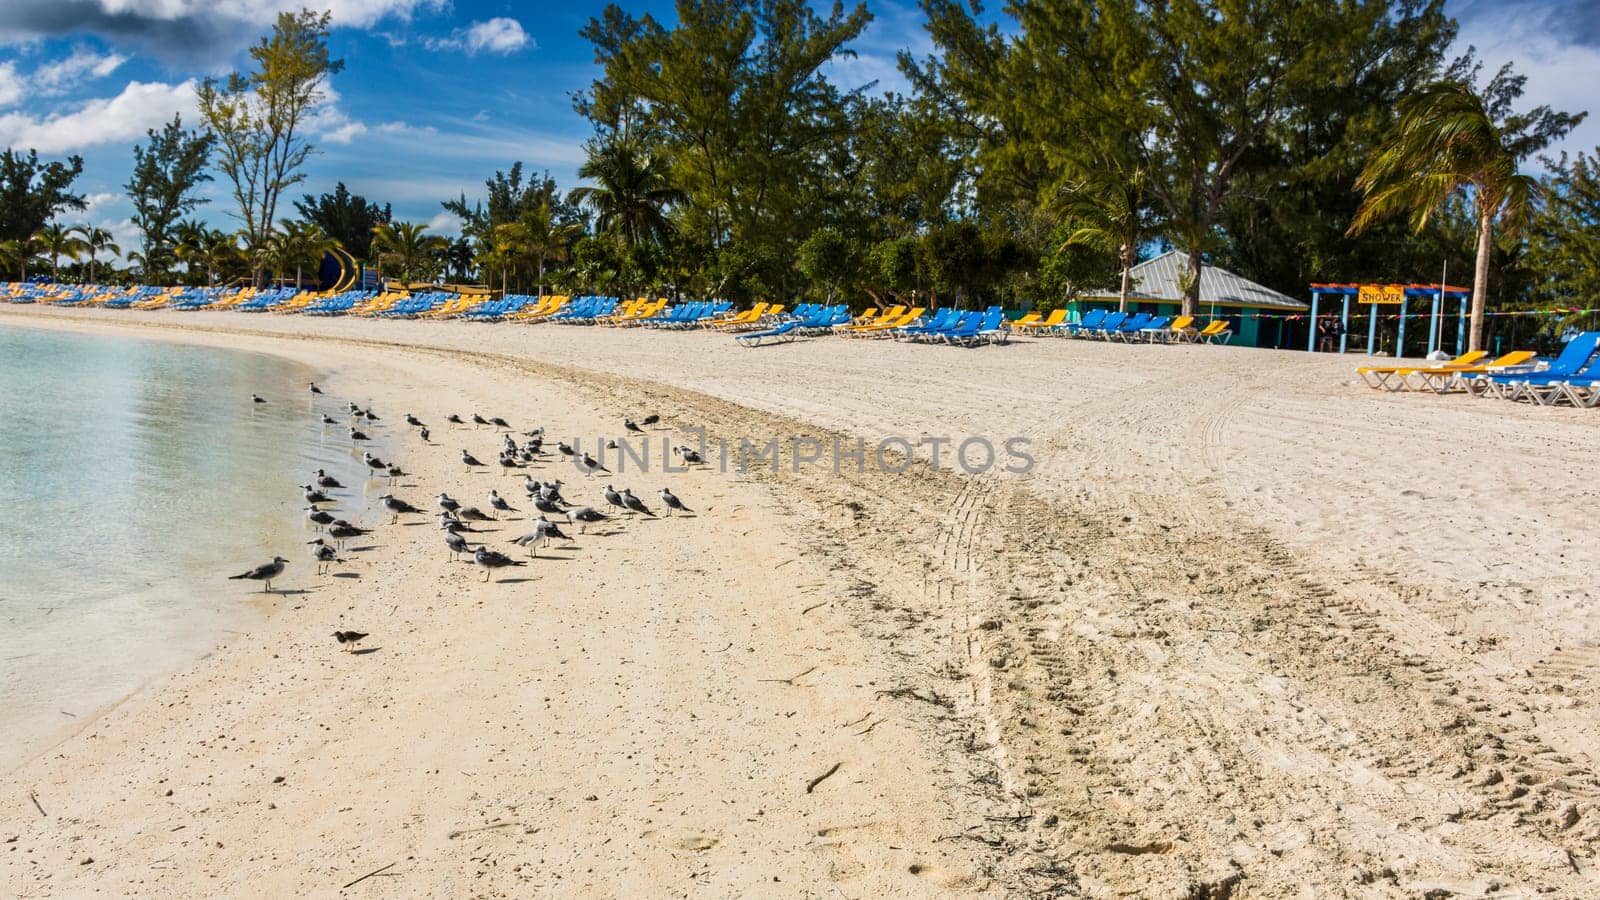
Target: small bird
[[651, 419], [342, 531], [615, 499], [450, 523], [565, 448], [534, 447], [395, 472], [329, 420], [671, 502], [479, 420], [448, 503], [315, 496], [413, 421], [611, 444], [397, 506], [263, 573], [546, 506], [327, 481], [498, 422], [423, 433], [456, 543], [551, 490], [256, 398], [319, 517], [369, 415], [632, 426], [353, 408], [688, 455], [499, 503], [536, 433], [543, 531], [312, 386], [510, 442], [324, 554], [586, 516], [473, 514], [509, 462], [469, 460], [349, 639], [493, 559], [635, 504], [454, 419], [373, 462], [588, 465], [358, 436]]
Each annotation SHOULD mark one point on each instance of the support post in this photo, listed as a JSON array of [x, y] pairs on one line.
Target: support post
[[1461, 330], [1372, 332], [1311, 336], [1344, 326], [1433, 320], [1400, 342]]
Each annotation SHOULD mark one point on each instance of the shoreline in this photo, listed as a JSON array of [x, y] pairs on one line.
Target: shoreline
[[1066, 666]]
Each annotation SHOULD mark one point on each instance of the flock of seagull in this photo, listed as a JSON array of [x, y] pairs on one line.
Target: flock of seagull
[[455, 519]]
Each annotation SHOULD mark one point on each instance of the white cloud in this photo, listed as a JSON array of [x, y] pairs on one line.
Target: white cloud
[[84, 64], [445, 223], [1561, 72], [105, 120], [497, 35], [12, 85]]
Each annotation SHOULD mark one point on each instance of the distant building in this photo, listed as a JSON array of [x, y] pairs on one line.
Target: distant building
[[1223, 295]]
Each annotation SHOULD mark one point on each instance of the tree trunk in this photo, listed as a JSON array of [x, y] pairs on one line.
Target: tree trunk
[[91, 268], [541, 276], [1480, 278], [1191, 294], [1127, 277]]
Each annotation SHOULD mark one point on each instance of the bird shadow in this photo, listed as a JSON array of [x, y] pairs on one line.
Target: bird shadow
[[347, 575], [513, 580], [544, 556], [366, 549], [611, 533], [364, 651], [289, 592]]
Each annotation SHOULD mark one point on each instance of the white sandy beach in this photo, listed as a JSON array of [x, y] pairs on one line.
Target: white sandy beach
[[1248, 629]]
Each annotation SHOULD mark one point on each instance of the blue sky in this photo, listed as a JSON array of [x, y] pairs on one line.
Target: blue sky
[[437, 94]]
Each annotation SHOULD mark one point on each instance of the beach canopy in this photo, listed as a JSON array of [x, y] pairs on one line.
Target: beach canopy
[[1156, 281]]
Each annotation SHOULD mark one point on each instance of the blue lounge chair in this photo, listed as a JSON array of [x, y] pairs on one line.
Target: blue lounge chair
[[1091, 320], [1574, 358]]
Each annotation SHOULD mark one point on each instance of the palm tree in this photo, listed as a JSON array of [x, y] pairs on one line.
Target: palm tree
[[1108, 210], [409, 249], [302, 244], [17, 254], [459, 257], [96, 241], [1448, 141], [55, 242], [631, 192], [210, 249]]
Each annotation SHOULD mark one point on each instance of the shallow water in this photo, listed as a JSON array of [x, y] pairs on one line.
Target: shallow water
[[134, 477]]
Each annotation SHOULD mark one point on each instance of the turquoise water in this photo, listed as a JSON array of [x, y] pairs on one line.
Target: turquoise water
[[135, 476]]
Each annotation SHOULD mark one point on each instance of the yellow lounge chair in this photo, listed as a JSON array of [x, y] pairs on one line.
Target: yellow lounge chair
[[1443, 380], [1216, 328], [738, 318], [879, 329], [1036, 324], [894, 313], [1379, 376], [761, 321]]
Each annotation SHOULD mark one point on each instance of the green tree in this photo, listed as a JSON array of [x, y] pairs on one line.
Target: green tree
[[1564, 238], [408, 251], [828, 259], [460, 257], [631, 192], [31, 193], [347, 218], [258, 117], [15, 255], [509, 198], [56, 241], [302, 244], [167, 171], [96, 241], [1451, 139], [211, 250], [895, 268], [1108, 210]]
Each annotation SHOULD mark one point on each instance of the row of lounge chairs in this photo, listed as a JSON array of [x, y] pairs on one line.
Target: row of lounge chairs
[[1572, 378]]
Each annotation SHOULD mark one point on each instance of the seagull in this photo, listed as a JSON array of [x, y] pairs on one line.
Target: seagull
[[456, 543], [509, 462], [469, 460], [315, 496], [474, 514], [454, 419], [633, 426], [450, 523], [533, 447], [635, 504], [373, 462], [448, 503], [615, 499], [263, 573], [586, 516], [479, 420], [671, 502], [565, 448], [510, 442], [395, 472], [493, 559], [531, 485], [588, 465], [342, 531], [547, 506], [690, 457], [551, 490], [413, 421], [543, 531], [326, 480], [536, 433], [397, 506], [312, 386], [324, 554], [354, 409], [611, 444], [423, 433], [329, 420], [498, 502], [256, 398], [358, 436], [369, 415], [349, 639], [651, 419], [319, 517], [498, 422]]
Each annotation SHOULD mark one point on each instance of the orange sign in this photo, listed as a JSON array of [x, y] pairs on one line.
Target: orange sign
[[1386, 294]]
